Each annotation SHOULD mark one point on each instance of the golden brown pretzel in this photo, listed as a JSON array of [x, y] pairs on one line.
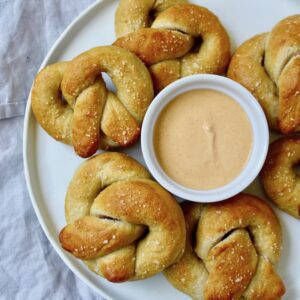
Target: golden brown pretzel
[[122, 224], [132, 15], [91, 110], [268, 65], [231, 249], [168, 47], [280, 181]]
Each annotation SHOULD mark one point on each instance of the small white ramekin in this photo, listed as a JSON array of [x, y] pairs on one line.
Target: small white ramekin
[[259, 130]]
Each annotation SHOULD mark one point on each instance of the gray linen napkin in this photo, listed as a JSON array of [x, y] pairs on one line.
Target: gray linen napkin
[[29, 266]]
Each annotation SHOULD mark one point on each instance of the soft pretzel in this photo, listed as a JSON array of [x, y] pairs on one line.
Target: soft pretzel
[[280, 181], [231, 250], [169, 48], [122, 224], [89, 116], [132, 15], [268, 65]]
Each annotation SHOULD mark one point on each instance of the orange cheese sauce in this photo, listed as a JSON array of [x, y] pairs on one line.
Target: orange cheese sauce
[[203, 139]]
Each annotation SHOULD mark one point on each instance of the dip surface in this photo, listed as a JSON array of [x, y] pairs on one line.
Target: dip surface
[[203, 139]]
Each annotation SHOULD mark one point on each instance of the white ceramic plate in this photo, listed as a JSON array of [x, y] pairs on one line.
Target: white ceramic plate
[[49, 165]]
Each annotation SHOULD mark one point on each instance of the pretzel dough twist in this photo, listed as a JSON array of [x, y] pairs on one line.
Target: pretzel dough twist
[[268, 65], [90, 110], [238, 242], [280, 181], [132, 15], [168, 48], [122, 224]]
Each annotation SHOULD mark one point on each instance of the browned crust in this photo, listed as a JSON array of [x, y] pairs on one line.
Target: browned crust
[[232, 248], [289, 97], [87, 116], [52, 113], [132, 15], [280, 181], [214, 52], [170, 40], [246, 68], [86, 237], [156, 45], [268, 65], [110, 203], [91, 110]]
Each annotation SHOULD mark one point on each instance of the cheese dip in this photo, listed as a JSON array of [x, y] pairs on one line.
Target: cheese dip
[[203, 139]]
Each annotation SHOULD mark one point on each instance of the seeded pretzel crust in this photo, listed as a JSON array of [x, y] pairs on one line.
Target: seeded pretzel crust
[[231, 250], [122, 224], [280, 181], [184, 39], [268, 65], [89, 116]]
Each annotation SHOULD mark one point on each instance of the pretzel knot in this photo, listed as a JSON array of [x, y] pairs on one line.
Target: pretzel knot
[[268, 65], [238, 242], [280, 181], [122, 224], [87, 110], [184, 39]]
